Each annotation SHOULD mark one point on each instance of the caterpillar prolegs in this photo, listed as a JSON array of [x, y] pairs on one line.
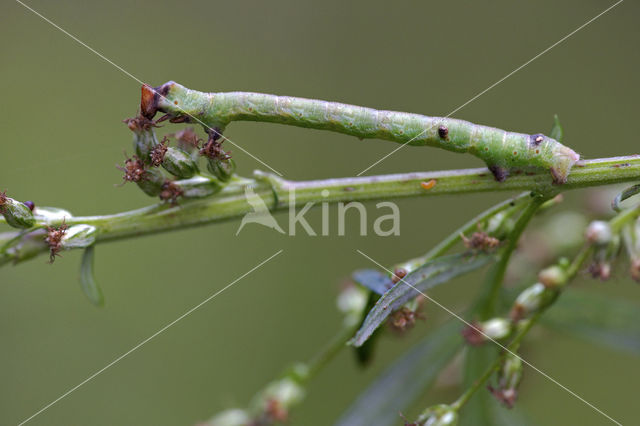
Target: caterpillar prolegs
[[501, 150]]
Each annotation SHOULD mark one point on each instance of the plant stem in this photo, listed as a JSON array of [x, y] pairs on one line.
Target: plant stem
[[513, 347], [443, 246], [334, 347], [496, 273], [583, 255], [280, 194]]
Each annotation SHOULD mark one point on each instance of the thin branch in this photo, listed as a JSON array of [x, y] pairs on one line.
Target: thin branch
[[280, 194]]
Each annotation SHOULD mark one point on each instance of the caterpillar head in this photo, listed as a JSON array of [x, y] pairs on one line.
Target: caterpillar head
[[563, 160]]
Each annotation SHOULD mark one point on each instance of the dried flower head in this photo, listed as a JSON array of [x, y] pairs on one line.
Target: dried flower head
[[139, 123], [480, 241], [473, 335], [404, 319], [506, 396], [133, 169], [3, 199], [600, 269], [213, 147], [187, 139], [170, 192], [54, 240], [158, 152]]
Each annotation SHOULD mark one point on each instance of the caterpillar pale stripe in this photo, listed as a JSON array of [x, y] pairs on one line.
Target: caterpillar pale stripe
[[503, 151]]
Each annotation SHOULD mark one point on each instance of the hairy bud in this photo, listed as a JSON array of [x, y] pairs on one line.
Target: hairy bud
[[232, 417], [438, 415], [179, 163], [599, 232], [151, 182], [553, 276], [509, 378], [16, 213], [531, 300], [222, 168], [479, 332]]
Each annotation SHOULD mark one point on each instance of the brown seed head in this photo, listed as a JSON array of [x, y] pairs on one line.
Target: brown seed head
[[3, 199], [54, 240], [506, 396], [170, 192], [139, 123], [158, 152], [188, 138], [404, 319], [133, 169], [480, 241]]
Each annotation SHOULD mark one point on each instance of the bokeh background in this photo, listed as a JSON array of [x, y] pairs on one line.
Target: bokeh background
[[62, 108]]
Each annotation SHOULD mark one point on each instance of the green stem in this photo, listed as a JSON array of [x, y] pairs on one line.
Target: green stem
[[479, 383], [321, 359], [280, 194], [617, 223], [496, 273], [445, 245]]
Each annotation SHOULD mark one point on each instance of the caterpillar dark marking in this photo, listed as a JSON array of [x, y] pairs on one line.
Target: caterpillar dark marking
[[501, 150]]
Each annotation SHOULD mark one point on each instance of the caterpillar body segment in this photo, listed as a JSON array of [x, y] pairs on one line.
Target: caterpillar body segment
[[501, 150]]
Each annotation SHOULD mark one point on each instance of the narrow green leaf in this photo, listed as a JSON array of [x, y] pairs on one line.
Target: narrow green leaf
[[432, 273], [404, 380], [604, 321], [373, 279], [365, 353], [87, 279], [556, 131]]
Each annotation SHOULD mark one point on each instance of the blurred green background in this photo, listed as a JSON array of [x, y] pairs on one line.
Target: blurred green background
[[62, 108]]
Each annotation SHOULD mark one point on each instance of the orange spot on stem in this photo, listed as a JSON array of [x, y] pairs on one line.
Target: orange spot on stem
[[428, 185]]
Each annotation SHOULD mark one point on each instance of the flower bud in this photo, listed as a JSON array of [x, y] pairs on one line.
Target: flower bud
[[351, 302], [497, 328], [79, 236], [553, 276], [179, 163], [222, 168], [16, 213], [232, 417], [479, 332], [438, 415], [151, 182], [144, 140], [531, 300], [599, 232], [285, 391], [198, 186], [509, 378]]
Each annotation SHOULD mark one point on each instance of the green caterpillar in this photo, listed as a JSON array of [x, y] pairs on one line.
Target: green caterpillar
[[502, 151]]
